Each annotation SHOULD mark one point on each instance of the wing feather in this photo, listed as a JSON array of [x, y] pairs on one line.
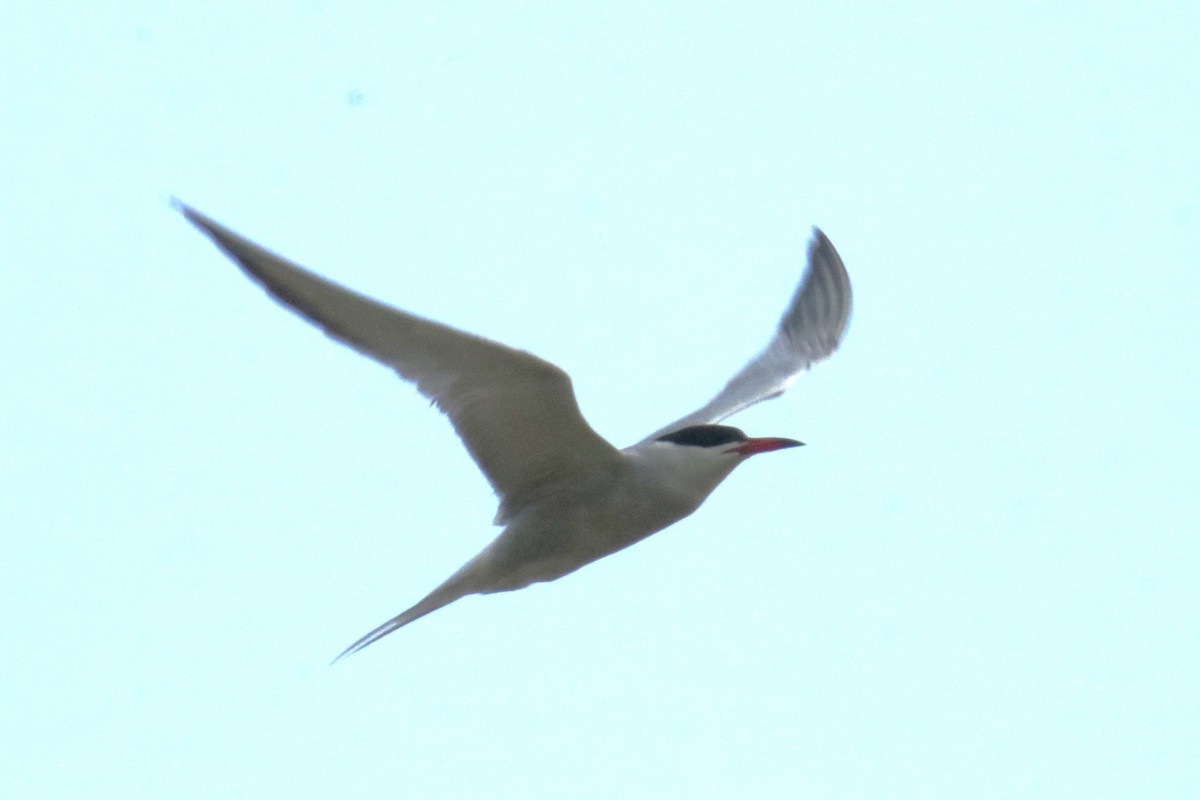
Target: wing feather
[[516, 414], [810, 331]]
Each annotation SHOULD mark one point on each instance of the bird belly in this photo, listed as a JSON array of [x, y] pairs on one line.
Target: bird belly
[[560, 535]]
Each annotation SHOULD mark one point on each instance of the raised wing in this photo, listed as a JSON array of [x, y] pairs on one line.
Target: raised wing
[[809, 332], [516, 414]]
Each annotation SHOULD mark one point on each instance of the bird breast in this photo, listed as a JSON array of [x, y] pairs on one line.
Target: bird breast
[[580, 521]]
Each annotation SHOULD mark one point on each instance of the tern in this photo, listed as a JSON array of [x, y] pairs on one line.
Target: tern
[[567, 497]]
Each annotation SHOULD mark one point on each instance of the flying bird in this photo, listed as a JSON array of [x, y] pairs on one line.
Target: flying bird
[[567, 497]]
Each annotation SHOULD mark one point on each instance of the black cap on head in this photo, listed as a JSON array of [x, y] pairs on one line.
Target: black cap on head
[[704, 436]]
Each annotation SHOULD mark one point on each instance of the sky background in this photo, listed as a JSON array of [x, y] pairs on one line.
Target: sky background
[[978, 580]]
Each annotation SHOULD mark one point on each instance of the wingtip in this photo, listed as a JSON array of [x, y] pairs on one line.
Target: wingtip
[[227, 240], [190, 214], [819, 247]]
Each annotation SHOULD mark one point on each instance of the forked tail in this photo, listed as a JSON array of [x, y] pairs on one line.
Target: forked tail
[[444, 595]]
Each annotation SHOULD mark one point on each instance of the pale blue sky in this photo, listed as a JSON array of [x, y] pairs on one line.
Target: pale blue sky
[[978, 580]]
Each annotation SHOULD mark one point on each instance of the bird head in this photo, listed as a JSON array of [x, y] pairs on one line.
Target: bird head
[[724, 440], [701, 456]]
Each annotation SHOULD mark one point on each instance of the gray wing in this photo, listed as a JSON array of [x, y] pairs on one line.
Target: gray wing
[[809, 332], [516, 414]]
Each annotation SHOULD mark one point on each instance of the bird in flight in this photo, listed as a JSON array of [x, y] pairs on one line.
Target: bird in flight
[[567, 497]]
